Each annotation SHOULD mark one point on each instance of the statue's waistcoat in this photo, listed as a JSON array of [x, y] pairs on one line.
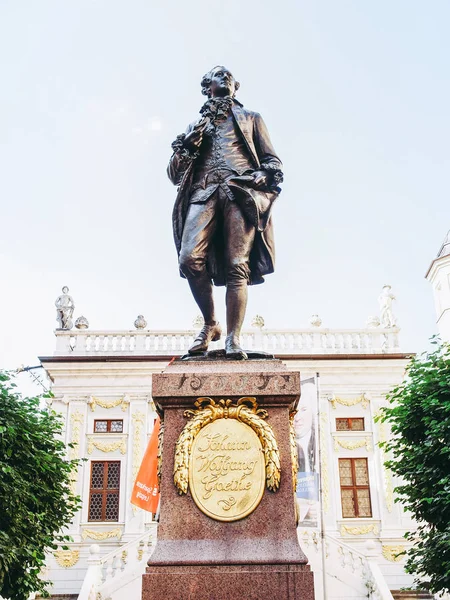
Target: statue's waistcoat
[[223, 148]]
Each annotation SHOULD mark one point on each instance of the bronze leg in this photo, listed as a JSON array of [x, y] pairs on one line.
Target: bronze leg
[[198, 230], [239, 236]]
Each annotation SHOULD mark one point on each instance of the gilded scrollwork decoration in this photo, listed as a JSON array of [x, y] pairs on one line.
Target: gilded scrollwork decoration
[[363, 399], [108, 447], [393, 553], [123, 402], [102, 535], [362, 530], [352, 444], [160, 450], [294, 458], [138, 418], [387, 473], [325, 476], [77, 421], [207, 411], [66, 558]]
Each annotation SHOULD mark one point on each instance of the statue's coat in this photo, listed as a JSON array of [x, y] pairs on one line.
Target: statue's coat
[[255, 203]]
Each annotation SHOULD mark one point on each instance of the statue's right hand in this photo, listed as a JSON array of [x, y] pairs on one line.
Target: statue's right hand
[[194, 139]]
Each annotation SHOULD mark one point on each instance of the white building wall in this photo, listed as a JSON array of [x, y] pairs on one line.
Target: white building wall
[[124, 387], [439, 277]]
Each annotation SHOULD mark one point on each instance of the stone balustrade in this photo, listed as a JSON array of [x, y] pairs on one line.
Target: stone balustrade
[[144, 342], [350, 573], [106, 575]]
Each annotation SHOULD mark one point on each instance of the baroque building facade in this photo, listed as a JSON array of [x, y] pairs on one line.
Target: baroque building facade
[[350, 526]]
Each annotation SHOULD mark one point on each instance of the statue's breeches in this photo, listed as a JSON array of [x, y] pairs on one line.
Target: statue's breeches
[[200, 227]]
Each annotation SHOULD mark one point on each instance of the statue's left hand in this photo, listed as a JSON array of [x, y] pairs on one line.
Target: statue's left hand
[[260, 178]]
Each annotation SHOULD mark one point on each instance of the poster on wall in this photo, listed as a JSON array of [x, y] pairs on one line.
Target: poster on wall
[[306, 438]]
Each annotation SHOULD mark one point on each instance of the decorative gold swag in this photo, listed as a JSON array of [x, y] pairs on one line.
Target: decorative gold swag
[[245, 410]]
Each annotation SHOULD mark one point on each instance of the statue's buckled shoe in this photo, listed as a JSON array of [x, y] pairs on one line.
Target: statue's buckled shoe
[[209, 333], [233, 349]]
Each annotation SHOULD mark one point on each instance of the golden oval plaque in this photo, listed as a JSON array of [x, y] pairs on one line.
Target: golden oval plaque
[[227, 470]]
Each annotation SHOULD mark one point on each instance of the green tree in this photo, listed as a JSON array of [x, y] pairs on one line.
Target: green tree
[[35, 497], [419, 416]]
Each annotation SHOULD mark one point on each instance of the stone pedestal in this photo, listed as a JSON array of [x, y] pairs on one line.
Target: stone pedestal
[[199, 558]]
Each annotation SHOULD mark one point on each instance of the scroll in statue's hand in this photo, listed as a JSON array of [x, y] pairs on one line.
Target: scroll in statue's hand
[[260, 178]]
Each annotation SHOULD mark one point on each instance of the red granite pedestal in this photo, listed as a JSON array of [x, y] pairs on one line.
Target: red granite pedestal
[[199, 558]]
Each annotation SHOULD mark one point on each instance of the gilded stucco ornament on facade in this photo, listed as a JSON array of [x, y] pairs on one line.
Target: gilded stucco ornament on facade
[[159, 456], [108, 447], [325, 477], [363, 399], [138, 423], [352, 444], [363, 530], [76, 420], [294, 455], [387, 473], [207, 411], [67, 558], [393, 553], [94, 401], [294, 461], [101, 535]]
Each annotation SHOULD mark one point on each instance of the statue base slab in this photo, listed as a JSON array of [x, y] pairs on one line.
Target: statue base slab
[[200, 558], [228, 582]]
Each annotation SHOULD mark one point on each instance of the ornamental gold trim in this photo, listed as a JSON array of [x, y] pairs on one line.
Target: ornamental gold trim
[[207, 410], [294, 456], [105, 447], [393, 553], [138, 423], [67, 558], [160, 449], [363, 530], [101, 535], [363, 399], [94, 401], [352, 444], [325, 476], [77, 421], [387, 473]]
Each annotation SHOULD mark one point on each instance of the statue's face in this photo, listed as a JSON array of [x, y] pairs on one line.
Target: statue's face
[[222, 83]]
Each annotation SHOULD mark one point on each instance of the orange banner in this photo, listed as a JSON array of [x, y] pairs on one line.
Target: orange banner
[[145, 492]]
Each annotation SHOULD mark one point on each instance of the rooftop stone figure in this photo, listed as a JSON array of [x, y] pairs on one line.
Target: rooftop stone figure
[[385, 299], [64, 309]]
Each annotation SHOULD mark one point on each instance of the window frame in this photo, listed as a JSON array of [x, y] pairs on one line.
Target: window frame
[[355, 487], [108, 426], [349, 422], [104, 491]]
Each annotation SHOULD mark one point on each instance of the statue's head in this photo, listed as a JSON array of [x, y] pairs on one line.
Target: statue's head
[[219, 82], [65, 289]]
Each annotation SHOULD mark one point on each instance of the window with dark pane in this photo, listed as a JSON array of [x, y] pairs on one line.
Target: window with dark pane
[[350, 424], [117, 426], [355, 491], [104, 491], [108, 426], [100, 426]]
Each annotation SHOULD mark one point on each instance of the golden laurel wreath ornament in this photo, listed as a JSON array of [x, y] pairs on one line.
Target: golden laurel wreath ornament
[[207, 411]]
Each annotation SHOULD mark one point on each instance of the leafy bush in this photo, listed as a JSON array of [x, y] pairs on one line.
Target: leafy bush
[[419, 416], [35, 497]]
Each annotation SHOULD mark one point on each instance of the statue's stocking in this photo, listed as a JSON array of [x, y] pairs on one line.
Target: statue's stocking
[[202, 290], [236, 301]]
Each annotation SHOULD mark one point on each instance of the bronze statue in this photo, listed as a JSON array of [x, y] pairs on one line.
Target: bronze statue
[[228, 175]]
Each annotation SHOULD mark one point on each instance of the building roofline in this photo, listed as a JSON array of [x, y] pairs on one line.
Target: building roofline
[[168, 358]]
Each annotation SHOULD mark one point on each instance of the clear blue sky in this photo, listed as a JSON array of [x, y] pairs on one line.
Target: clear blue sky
[[356, 96]]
